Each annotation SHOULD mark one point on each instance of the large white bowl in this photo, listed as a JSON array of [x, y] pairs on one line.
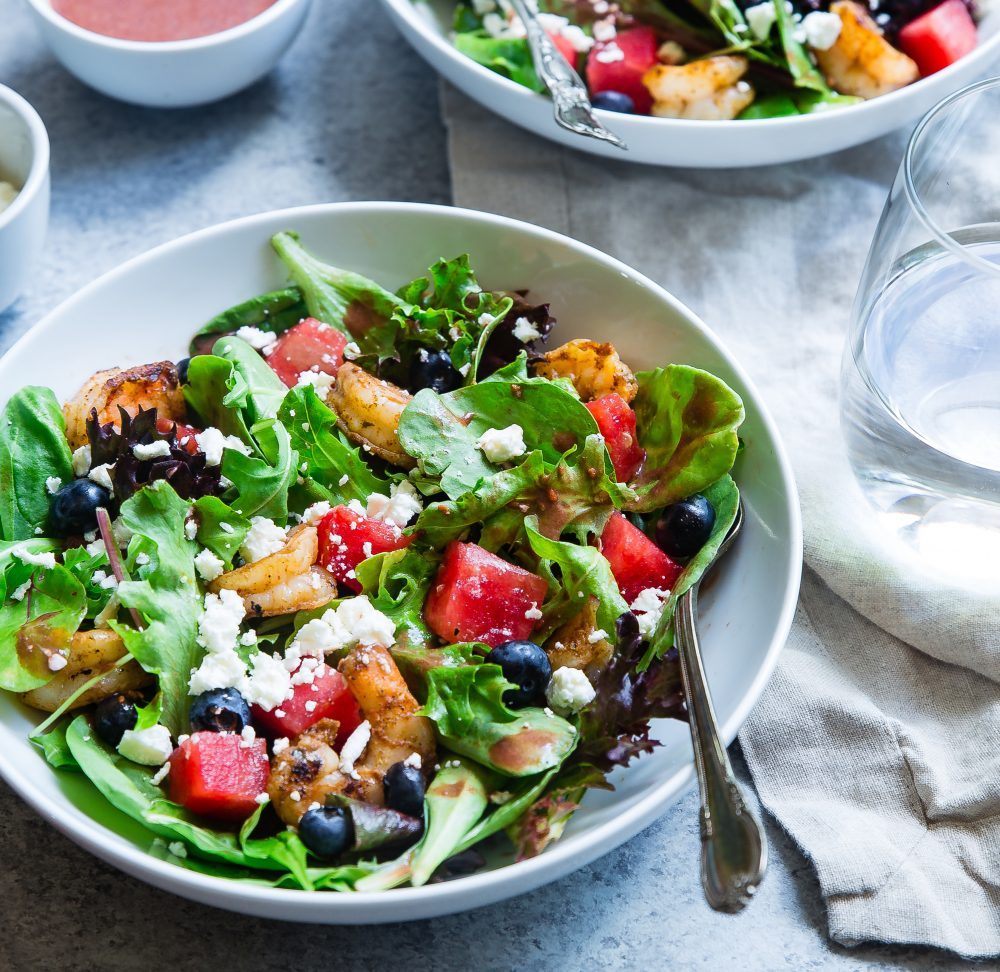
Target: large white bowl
[[426, 24], [147, 309], [173, 74], [24, 161]]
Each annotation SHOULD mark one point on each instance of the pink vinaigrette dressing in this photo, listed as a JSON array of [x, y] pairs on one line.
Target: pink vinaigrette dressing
[[159, 20]]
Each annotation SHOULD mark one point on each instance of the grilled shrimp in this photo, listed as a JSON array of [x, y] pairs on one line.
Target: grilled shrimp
[[312, 769], [89, 654], [571, 646], [153, 385], [595, 369], [709, 89], [862, 62], [368, 411], [284, 581]]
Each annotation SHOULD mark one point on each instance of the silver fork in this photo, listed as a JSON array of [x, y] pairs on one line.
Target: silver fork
[[733, 845], [570, 102]]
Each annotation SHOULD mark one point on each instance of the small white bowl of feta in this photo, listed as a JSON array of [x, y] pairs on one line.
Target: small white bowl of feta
[[24, 192]]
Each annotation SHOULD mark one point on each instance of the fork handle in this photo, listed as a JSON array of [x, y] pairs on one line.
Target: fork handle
[[733, 845]]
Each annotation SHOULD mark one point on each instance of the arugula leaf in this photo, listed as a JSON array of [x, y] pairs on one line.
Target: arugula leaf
[[167, 597], [33, 447], [212, 514], [343, 299], [261, 486], [324, 453], [275, 312], [254, 388], [82, 565], [686, 421], [211, 380], [397, 584], [465, 703], [583, 572]]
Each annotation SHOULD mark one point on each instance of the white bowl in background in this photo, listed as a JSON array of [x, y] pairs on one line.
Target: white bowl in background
[[24, 162], [426, 24], [173, 74], [147, 310]]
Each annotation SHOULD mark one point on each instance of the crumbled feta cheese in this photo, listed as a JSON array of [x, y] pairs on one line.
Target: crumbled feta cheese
[[315, 513], [154, 450], [21, 592], [465, 369], [580, 41], [595, 636], [569, 690], [268, 683], [52, 484], [533, 614], [604, 31], [279, 745], [367, 626], [262, 798], [29, 559], [176, 847], [500, 797], [218, 669], [227, 528], [263, 538], [295, 796], [121, 533], [344, 480], [761, 18], [398, 508], [213, 443], [255, 337], [352, 351], [81, 461], [310, 706], [500, 445], [525, 331], [105, 580], [208, 565], [160, 775], [150, 747], [316, 637], [610, 53], [821, 29], [354, 747], [247, 737], [248, 638], [190, 527], [320, 380], [102, 476], [57, 661], [647, 608], [219, 625], [413, 760]]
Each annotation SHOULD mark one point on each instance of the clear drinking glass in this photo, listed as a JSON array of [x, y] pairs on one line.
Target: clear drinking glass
[[920, 396]]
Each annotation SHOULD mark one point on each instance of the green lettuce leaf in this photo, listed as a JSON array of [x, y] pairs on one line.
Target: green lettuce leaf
[[213, 515], [82, 565], [254, 388], [687, 421], [33, 448], [397, 584], [167, 598], [275, 312], [507, 56], [261, 485], [211, 380]]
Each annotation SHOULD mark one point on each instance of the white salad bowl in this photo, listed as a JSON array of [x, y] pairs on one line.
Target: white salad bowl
[[173, 74], [426, 24], [24, 162], [148, 309]]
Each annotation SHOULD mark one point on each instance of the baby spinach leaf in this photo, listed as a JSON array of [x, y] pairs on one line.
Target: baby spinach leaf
[[254, 388], [220, 527], [507, 813], [54, 747], [211, 380], [261, 485], [507, 56], [275, 312], [687, 421], [33, 448], [167, 597], [324, 454]]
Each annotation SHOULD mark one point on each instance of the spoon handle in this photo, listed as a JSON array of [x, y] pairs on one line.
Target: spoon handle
[[571, 103], [733, 845]]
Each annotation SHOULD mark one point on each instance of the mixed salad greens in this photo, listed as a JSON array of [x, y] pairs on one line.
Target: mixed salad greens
[[726, 59], [368, 579]]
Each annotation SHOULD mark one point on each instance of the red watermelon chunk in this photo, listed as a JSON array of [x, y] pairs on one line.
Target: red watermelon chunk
[[327, 696], [636, 561], [620, 63], [478, 596], [346, 538], [309, 346], [218, 775], [939, 37], [616, 420]]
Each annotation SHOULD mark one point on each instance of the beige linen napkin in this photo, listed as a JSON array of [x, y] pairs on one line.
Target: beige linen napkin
[[877, 742]]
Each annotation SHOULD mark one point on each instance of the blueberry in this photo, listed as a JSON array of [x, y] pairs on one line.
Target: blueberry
[[683, 529], [220, 710], [613, 101], [526, 665], [434, 370], [74, 507], [115, 714], [182, 370], [327, 831], [404, 789]]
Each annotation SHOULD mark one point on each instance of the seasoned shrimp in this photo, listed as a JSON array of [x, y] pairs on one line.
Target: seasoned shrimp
[[594, 369], [709, 89], [306, 592], [368, 411], [861, 61], [153, 385], [87, 653], [305, 772]]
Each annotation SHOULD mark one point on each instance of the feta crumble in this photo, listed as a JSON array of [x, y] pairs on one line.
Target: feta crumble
[[500, 445], [208, 565], [647, 608], [525, 331], [81, 460], [263, 538], [569, 690], [761, 18], [352, 351], [320, 380], [821, 29], [57, 661], [268, 684], [29, 559], [213, 443], [595, 636], [149, 747], [102, 476], [52, 484], [533, 614], [176, 847], [354, 747], [255, 337], [398, 508], [218, 670], [153, 450], [315, 513], [219, 625]]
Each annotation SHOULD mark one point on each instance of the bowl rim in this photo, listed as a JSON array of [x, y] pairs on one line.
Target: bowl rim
[[39, 168], [408, 11], [260, 21], [511, 879]]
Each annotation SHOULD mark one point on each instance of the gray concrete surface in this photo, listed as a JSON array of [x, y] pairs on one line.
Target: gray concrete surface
[[350, 114]]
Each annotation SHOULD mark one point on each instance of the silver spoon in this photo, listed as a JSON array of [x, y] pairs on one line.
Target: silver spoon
[[570, 102], [733, 845]]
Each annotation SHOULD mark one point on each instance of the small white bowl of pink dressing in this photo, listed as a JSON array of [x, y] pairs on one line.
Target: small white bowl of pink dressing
[[169, 53]]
